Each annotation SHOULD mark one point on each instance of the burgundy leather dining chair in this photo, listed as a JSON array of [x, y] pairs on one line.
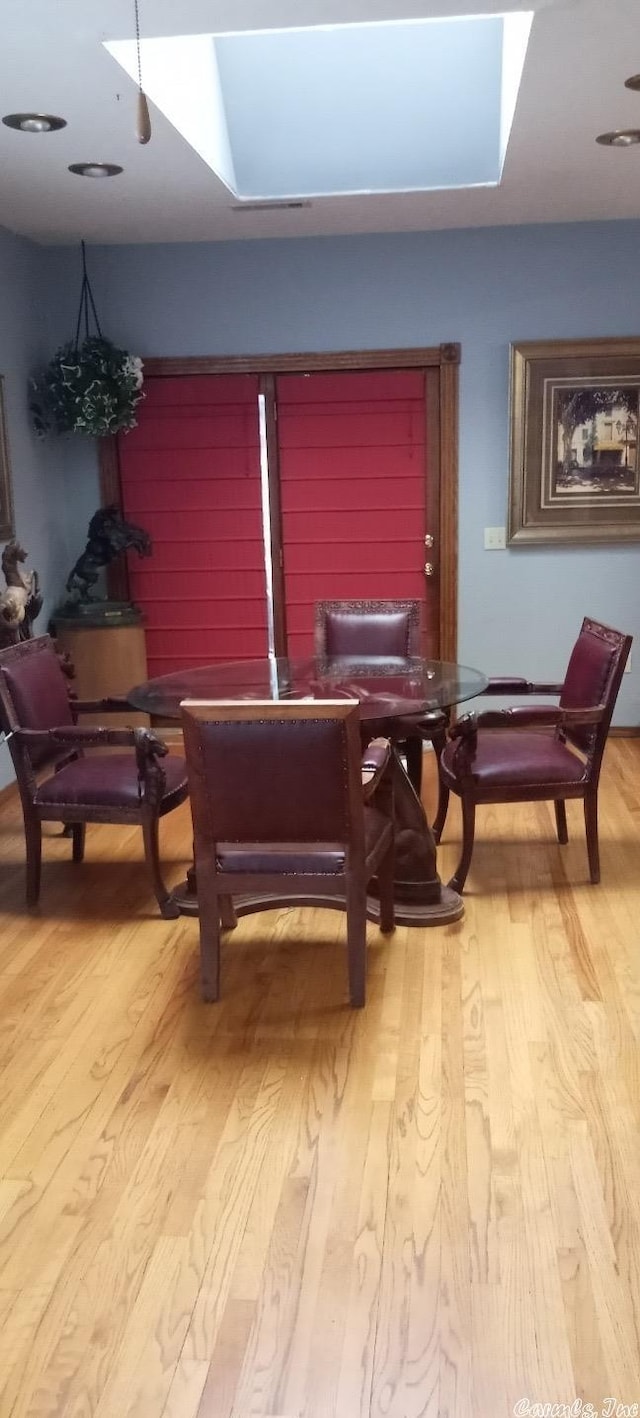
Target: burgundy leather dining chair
[[280, 808], [539, 752], [59, 781], [383, 628]]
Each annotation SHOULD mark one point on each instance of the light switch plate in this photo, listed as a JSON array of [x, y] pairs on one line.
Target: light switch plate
[[494, 538]]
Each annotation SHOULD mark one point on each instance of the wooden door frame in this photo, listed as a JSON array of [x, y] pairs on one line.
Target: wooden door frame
[[440, 363]]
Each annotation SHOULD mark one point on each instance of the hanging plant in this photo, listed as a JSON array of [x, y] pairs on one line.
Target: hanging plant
[[90, 386]]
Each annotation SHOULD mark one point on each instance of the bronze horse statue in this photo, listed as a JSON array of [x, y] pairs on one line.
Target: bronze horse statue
[[109, 536]]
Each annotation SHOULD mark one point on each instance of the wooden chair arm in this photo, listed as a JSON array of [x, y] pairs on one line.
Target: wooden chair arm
[[113, 704], [151, 778], [375, 760], [513, 685], [523, 716], [466, 728], [86, 736]]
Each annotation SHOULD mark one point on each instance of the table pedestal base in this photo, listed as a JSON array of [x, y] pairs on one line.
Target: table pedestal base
[[420, 898]]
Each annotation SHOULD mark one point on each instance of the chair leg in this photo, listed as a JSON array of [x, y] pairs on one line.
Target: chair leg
[[356, 940], [591, 824], [439, 741], [211, 908], [79, 832], [441, 814], [561, 821], [169, 908], [468, 831], [228, 917], [412, 749], [33, 843], [385, 892]]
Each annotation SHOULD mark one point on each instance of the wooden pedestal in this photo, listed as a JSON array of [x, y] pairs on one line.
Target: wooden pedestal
[[108, 659]]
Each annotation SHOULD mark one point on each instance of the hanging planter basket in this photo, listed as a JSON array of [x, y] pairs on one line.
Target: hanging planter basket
[[90, 386]]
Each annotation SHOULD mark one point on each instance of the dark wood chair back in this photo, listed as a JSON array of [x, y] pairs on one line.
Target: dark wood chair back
[[274, 773], [361, 628], [594, 675], [278, 813], [33, 695]]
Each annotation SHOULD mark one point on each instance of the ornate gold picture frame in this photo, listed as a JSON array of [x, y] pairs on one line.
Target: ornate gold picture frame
[[574, 460], [6, 496]]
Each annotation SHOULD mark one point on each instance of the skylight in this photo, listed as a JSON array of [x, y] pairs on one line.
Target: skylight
[[338, 109]]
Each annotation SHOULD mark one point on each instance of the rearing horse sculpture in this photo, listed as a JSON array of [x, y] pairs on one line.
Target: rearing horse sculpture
[[109, 536], [21, 602]]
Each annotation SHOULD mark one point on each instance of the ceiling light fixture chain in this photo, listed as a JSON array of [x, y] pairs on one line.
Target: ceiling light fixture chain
[[143, 124]]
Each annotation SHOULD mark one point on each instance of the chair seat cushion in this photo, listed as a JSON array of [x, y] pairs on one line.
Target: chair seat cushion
[[299, 859], [106, 780], [514, 758]]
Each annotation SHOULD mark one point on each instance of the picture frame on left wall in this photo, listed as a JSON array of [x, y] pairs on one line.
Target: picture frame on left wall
[[6, 493]]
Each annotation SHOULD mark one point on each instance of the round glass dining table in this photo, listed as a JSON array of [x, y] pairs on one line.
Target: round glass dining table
[[388, 690]]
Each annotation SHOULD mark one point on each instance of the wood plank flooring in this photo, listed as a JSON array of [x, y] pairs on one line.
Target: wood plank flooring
[[279, 1206]]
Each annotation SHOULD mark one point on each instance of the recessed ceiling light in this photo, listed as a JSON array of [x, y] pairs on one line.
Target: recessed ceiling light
[[633, 82], [34, 122], [621, 138], [95, 169]]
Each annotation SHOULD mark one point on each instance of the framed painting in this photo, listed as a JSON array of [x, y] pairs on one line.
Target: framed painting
[[6, 498], [574, 466]]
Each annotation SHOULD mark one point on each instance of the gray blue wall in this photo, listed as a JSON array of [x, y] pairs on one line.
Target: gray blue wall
[[39, 481], [518, 609]]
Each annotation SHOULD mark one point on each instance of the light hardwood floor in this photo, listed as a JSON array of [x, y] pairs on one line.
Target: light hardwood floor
[[279, 1206]]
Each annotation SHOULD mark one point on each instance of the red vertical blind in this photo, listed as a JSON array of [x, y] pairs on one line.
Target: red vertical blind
[[352, 450], [190, 475]]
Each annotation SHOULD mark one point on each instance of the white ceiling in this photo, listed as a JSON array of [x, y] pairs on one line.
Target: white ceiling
[[52, 59]]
